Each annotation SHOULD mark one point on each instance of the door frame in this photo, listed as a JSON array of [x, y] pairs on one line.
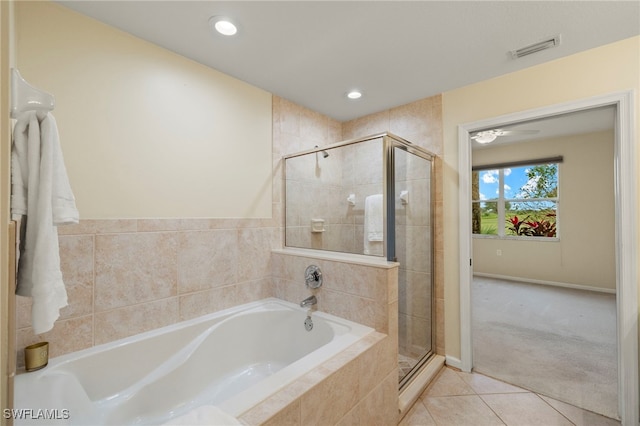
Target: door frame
[[626, 230]]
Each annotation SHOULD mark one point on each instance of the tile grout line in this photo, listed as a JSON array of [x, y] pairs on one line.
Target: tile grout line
[[487, 405], [558, 411]]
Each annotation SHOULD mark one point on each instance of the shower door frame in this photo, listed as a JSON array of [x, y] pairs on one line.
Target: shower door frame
[[391, 143]]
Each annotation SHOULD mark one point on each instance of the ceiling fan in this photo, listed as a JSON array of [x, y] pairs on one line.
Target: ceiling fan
[[488, 136]]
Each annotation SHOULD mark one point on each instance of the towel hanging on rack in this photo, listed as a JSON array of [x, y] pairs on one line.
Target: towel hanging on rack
[[41, 192], [374, 225]]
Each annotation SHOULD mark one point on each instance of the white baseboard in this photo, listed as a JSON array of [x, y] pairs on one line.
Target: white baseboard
[[453, 362], [550, 283]]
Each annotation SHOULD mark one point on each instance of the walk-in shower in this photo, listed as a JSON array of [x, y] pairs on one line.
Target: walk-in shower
[[372, 196]]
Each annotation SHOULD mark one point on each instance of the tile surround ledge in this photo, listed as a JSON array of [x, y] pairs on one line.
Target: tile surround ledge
[[356, 259], [334, 391]]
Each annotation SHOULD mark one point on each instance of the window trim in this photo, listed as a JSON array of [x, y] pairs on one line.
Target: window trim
[[501, 200]]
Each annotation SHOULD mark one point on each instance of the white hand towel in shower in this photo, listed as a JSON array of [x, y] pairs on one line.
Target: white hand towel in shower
[[373, 225], [40, 191]]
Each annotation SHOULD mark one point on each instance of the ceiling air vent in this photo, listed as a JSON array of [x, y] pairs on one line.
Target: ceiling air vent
[[536, 47]]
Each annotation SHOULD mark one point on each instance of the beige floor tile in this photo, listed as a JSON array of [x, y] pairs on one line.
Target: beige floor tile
[[579, 416], [461, 411], [525, 409], [482, 384], [447, 383], [417, 416]]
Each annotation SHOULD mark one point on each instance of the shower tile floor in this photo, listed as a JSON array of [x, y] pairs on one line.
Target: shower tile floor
[[405, 364], [455, 398]]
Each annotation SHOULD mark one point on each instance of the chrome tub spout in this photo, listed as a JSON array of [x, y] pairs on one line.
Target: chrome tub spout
[[309, 301]]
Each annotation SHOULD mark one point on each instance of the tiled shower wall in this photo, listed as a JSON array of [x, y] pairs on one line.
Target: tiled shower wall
[[319, 188]]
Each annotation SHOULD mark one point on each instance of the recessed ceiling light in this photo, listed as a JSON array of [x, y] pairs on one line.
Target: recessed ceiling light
[[354, 94], [223, 25]]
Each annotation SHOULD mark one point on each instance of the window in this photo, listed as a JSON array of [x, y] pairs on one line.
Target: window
[[516, 199]]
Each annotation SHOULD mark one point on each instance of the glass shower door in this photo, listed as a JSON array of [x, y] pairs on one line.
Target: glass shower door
[[414, 247]]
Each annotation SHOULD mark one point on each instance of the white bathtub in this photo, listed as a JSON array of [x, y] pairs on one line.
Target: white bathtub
[[232, 359]]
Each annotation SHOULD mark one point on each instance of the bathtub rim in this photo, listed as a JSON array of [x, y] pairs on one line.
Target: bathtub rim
[[353, 333], [54, 362]]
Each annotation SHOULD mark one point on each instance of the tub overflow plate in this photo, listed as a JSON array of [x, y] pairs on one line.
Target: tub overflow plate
[[308, 324]]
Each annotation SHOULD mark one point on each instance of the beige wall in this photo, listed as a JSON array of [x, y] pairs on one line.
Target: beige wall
[[127, 276], [611, 68], [585, 252], [146, 133]]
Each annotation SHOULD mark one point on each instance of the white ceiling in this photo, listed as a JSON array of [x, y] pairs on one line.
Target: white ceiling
[[587, 121], [313, 52]]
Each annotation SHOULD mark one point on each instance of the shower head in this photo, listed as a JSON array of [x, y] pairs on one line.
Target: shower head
[[325, 154]]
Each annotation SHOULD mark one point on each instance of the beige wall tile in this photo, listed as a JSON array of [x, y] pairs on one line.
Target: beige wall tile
[[376, 364], [440, 326], [354, 308], [392, 284], [124, 322], [282, 403], [68, 335], [352, 418], [289, 117], [99, 226], [380, 407], [290, 416], [254, 252], [76, 263], [366, 126], [250, 291], [80, 302], [193, 305], [206, 259], [357, 280], [293, 291], [330, 400], [134, 268], [155, 225], [411, 118], [23, 312], [314, 127]]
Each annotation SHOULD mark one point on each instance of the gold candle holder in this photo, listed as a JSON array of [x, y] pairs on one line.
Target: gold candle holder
[[36, 356]]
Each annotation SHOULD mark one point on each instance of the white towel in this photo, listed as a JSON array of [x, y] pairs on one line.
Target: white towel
[[41, 191], [373, 225], [205, 415]]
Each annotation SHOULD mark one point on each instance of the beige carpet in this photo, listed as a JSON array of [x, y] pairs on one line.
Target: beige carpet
[[554, 341]]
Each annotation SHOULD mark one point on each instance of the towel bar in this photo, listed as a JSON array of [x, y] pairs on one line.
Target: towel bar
[[25, 97]]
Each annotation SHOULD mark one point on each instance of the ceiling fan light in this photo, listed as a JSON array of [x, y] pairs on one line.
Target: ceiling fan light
[[485, 137]]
